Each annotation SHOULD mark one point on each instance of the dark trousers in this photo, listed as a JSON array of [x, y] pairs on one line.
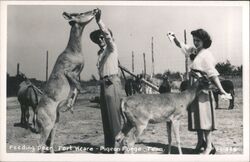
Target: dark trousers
[[110, 104]]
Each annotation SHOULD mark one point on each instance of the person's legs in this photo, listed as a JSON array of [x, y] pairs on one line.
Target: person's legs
[[201, 141], [105, 121], [194, 125], [210, 148], [112, 100], [206, 119]]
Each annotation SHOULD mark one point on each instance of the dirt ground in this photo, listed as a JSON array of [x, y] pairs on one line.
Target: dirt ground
[[81, 132]]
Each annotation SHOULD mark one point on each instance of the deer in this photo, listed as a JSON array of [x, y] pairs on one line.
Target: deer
[[133, 86], [165, 85], [138, 110], [28, 95], [64, 81], [177, 83], [227, 85]]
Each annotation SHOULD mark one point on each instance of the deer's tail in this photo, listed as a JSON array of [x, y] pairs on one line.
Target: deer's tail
[[122, 110], [120, 136]]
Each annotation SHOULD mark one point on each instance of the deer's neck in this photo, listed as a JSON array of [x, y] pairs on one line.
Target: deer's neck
[[75, 39], [190, 94]]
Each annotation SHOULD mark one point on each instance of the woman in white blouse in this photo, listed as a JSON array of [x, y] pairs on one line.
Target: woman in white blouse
[[201, 116]]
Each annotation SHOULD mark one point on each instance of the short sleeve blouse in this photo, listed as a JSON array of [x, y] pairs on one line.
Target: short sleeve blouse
[[205, 61]]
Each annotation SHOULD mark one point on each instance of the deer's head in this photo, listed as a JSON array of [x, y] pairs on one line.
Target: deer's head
[[21, 77], [79, 18], [203, 82]]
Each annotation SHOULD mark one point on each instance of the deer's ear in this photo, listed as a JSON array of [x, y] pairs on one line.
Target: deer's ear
[[66, 16]]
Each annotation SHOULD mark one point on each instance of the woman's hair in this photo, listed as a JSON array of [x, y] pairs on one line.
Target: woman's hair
[[204, 36]]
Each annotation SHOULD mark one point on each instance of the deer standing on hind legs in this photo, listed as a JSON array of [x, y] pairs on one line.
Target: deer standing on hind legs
[[64, 79]]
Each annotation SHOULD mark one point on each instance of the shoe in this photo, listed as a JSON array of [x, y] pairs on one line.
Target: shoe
[[209, 151], [200, 146], [213, 151]]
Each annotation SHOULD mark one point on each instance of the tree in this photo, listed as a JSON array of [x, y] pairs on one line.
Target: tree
[[173, 75], [226, 68], [238, 71]]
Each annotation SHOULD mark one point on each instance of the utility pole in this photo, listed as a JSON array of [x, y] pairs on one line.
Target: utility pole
[[18, 66], [153, 60], [47, 60], [144, 60], [186, 57], [133, 65]]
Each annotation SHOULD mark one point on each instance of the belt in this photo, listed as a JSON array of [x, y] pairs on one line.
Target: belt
[[109, 76]]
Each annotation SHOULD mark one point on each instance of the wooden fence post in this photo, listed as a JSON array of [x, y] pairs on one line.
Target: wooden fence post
[[47, 60], [144, 60], [186, 57]]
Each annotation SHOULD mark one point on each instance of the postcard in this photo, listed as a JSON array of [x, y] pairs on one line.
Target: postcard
[[124, 81]]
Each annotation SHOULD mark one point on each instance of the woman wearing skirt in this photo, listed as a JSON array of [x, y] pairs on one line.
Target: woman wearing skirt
[[201, 113]]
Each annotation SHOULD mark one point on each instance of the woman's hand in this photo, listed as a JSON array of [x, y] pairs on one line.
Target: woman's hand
[[98, 15], [222, 92], [226, 96], [170, 34]]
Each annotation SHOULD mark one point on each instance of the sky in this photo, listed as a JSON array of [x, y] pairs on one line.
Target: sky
[[34, 29]]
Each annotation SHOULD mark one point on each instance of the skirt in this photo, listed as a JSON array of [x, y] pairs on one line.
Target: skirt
[[201, 113]]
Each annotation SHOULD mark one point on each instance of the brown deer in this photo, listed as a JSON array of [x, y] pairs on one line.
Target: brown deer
[[138, 110], [28, 95], [63, 81]]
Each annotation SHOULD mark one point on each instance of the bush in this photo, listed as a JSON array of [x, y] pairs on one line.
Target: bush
[[227, 69]]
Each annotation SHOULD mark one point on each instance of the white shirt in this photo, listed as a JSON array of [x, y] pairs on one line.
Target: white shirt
[[108, 60], [205, 61]]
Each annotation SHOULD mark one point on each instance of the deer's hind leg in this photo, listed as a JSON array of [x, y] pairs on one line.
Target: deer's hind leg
[[51, 139], [121, 137], [134, 134], [26, 116], [46, 118], [169, 129], [23, 107], [231, 102], [124, 132], [45, 132]]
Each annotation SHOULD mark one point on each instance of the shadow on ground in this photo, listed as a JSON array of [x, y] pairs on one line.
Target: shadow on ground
[[223, 108], [21, 125], [26, 126]]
